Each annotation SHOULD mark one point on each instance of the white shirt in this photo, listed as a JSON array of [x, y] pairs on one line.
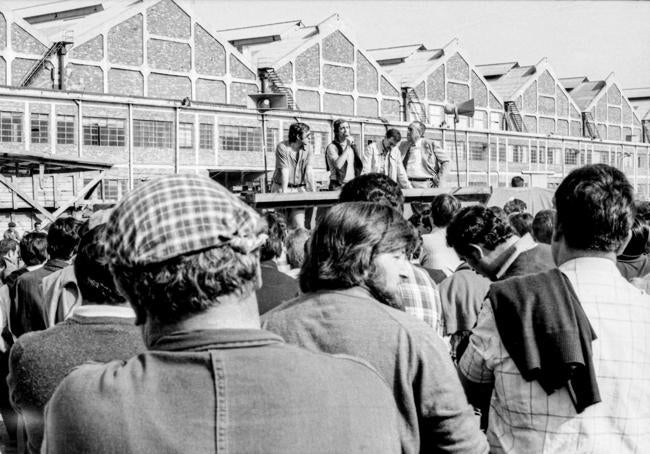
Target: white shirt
[[524, 419], [436, 254]]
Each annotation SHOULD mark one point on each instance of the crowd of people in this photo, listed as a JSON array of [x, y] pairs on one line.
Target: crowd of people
[[183, 320]]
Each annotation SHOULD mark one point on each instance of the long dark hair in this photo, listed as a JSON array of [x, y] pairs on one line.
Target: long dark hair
[[346, 241]]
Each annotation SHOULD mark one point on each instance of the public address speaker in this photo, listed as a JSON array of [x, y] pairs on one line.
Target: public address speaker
[[268, 101]]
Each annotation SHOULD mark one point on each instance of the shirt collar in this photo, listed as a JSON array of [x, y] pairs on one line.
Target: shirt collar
[[211, 339], [592, 263], [103, 310], [523, 244]]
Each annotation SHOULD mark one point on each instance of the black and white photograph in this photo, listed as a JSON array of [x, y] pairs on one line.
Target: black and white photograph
[[324, 227]]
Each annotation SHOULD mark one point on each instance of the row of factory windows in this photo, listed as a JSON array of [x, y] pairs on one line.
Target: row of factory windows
[[153, 133]]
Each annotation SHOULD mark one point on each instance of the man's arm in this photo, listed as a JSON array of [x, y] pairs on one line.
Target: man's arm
[[332, 154], [402, 177], [282, 164], [476, 365]]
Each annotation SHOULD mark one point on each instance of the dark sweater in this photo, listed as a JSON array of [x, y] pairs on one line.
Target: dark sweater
[[40, 360], [546, 332], [277, 287]]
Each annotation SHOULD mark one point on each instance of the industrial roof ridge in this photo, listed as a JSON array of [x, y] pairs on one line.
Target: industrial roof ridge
[[275, 54], [90, 26], [261, 25]]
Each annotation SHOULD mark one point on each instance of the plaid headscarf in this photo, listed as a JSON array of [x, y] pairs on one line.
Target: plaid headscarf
[[177, 215]]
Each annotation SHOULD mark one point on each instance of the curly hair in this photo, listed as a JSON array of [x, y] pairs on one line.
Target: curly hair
[[515, 206], [595, 208], [277, 231], [477, 225], [346, 241], [373, 187], [180, 287]]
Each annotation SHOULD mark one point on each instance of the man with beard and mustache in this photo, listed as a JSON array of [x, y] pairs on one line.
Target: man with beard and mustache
[[349, 278]]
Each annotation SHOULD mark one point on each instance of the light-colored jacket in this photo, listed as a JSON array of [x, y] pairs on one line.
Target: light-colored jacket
[[392, 166]]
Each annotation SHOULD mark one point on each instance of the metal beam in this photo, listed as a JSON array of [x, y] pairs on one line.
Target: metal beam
[[80, 195], [324, 198], [29, 200]]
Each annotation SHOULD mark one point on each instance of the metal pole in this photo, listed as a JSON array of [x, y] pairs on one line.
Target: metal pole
[[456, 149], [266, 167]]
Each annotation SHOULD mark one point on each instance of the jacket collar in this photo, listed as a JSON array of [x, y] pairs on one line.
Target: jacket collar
[[55, 264], [213, 339]]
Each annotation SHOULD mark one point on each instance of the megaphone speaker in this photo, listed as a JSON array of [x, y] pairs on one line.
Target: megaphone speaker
[[269, 101], [466, 109]]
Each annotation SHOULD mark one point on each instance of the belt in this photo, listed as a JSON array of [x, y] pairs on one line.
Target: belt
[[296, 185], [421, 179]]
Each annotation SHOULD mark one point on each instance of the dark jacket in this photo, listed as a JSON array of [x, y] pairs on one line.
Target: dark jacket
[[226, 391], [631, 267], [534, 260], [27, 312], [40, 360], [277, 287], [404, 350]]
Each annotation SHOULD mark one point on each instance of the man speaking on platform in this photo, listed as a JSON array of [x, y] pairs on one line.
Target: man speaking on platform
[[425, 162]]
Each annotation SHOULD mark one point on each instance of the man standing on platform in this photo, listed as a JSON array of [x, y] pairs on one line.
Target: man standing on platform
[[385, 158], [342, 157], [293, 168], [425, 162]]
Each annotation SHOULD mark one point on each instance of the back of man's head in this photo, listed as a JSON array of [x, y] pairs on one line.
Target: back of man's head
[[514, 206], [63, 238], [543, 225], [373, 187], [595, 208], [92, 272], [522, 223], [477, 225], [168, 273], [443, 209], [7, 246], [277, 234], [33, 248], [517, 182]]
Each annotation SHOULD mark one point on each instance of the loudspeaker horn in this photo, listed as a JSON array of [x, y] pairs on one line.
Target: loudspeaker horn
[[465, 109], [269, 101]]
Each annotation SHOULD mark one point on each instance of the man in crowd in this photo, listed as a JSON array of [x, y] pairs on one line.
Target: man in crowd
[[436, 253], [342, 158], [425, 162], [28, 312], [33, 252], [102, 329], [517, 182], [633, 262], [543, 223], [385, 158], [277, 286], [514, 206], [293, 168], [349, 278], [11, 233], [10, 256], [212, 380], [417, 293], [491, 247], [567, 350]]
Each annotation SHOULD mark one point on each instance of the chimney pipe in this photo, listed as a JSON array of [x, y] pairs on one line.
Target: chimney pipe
[[62, 53]]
